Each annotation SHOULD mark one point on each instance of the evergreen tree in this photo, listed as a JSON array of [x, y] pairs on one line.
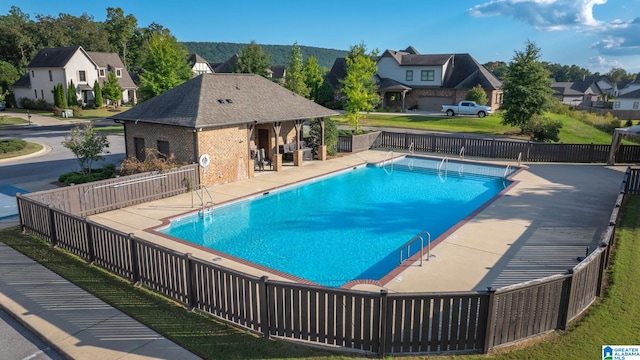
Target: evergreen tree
[[97, 102], [164, 65], [253, 60], [112, 89], [73, 97], [326, 95], [312, 77], [294, 78], [478, 95], [358, 86], [527, 88]]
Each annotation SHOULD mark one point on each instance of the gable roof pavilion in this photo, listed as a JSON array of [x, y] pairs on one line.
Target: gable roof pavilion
[[216, 100]]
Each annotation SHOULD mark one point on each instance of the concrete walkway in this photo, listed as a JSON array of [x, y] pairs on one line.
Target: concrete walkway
[[72, 321]]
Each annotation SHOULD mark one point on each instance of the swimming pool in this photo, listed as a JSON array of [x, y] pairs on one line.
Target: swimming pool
[[349, 226]]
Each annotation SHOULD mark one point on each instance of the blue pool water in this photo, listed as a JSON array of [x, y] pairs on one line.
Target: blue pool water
[[348, 226], [8, 204]]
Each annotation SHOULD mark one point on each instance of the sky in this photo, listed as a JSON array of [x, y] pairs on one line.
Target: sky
[[594, 34]]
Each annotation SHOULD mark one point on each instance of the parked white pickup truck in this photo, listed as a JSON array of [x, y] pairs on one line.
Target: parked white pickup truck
[[466, 107]]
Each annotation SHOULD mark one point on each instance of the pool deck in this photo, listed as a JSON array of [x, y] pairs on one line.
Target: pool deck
[[538, 228]]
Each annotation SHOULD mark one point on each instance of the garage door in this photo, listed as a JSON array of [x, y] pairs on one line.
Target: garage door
[[433, 103]]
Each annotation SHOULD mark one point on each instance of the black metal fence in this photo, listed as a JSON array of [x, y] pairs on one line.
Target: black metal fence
[[498, 148], [374, 323]]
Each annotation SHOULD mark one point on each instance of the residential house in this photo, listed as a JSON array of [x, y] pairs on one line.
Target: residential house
[[225, 117], [410, 80], [628, 101], [52, 66], [199, 65], [591, 91], [627, 86]]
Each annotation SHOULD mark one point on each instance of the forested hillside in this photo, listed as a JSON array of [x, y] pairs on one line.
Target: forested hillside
[[217, 52]]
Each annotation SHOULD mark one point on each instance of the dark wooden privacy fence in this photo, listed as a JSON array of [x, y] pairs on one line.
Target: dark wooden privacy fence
[[498, 148], [374, 323], [100, 196]]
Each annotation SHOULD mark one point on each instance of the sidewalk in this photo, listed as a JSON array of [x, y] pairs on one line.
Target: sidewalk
[[72, 321]]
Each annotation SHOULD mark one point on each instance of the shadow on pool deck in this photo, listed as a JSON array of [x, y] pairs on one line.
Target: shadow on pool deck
[[538, 228]]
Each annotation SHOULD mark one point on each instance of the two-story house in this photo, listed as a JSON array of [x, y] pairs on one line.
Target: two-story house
[[591, 91], [199, 65], [410, 80], [52, 66]]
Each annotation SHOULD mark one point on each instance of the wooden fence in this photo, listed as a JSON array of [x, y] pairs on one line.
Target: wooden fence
[[373, 323], [100, 196], [499, 148]]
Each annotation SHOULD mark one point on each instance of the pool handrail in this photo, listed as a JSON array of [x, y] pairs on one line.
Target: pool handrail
[[414, 239]]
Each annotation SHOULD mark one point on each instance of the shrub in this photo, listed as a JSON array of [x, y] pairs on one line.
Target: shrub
[[628, 123], [543, 129], [12, 145], [77, 110], [154, 161], [74, 177], [330, 136], [39, 104]]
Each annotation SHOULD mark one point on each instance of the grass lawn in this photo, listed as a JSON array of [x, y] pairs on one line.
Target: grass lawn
[[610, 321], [12, 120], [573, 131], [87, 114], [30, 149], [116, 129]]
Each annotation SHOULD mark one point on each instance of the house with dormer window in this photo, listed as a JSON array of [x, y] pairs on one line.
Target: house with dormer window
[[52, 66], [409, 80]]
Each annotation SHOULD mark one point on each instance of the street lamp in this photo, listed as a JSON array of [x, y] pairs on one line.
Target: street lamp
[[29, 116]]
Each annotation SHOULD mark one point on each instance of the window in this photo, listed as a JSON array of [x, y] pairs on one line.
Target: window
[[427, 75], [163, 148], [82, 76], [409, 75], [35, 92], [101, 72], [50, 76], [118, 72], [616, 105], [635, 105], [41, 94], [138, 144]]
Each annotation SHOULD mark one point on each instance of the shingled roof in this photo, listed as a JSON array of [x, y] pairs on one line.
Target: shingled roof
[[54, 57], [111, 61], [214, 100]]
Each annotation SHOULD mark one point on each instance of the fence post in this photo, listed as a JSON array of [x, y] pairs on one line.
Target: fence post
[[52, 227], [564, 314], [264, 307], [20, 211], [135, 271], [383, 322], [488, 340], [191, 280], [90, 245]]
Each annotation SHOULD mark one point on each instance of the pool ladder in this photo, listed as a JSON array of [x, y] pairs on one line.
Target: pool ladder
[[203, 205], [407, 247]]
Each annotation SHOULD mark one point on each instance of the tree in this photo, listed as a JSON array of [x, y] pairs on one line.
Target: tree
[[87, 145], [358, 86], [526, 87], [498, 68], [253, 60], [294, 78], [164, 66], [619, 74], [120, 30], [112, 89], [97, 101], [330, 135], [326, 96], [59, 97], [73, 96], [8, 75], [312, 77], [477, 94]]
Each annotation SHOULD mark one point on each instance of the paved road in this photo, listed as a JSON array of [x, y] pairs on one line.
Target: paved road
[[35, 173]]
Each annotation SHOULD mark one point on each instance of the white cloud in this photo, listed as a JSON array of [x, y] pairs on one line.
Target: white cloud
[[619, 38], [603, 65], [550, 15]]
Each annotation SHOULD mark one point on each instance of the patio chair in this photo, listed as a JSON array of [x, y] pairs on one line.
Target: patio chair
[[261, 161]]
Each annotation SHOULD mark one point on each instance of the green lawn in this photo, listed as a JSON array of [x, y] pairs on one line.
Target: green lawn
[[30, 149], [612, 320], [573, 131], [11, 120]]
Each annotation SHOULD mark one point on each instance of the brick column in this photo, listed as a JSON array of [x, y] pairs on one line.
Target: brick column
[[276, 162], [297, 157], [322, 152]]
